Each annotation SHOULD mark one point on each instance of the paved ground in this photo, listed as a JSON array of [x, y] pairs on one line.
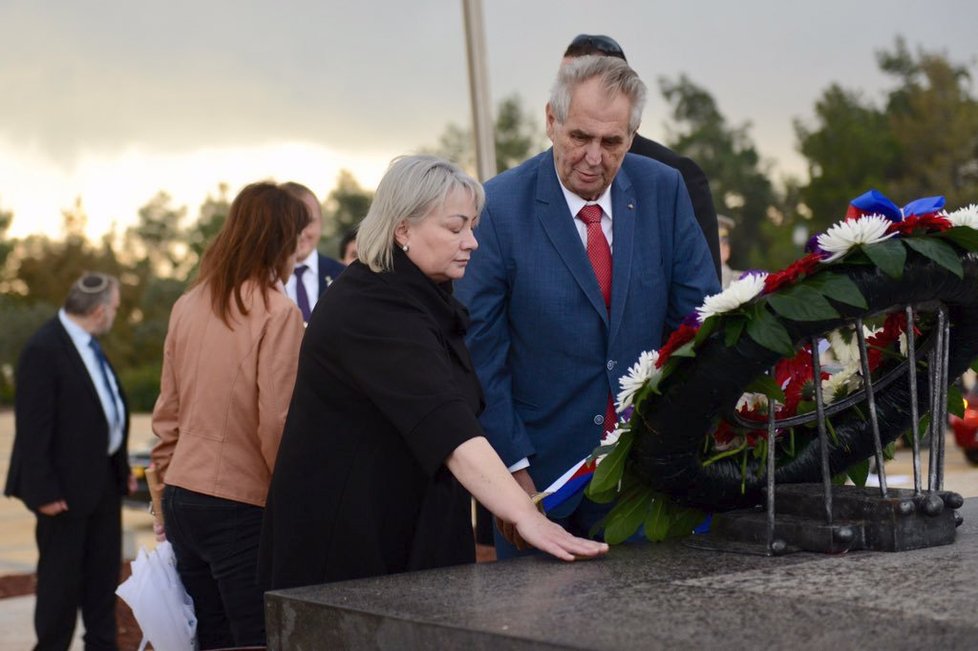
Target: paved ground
[[18, 554]]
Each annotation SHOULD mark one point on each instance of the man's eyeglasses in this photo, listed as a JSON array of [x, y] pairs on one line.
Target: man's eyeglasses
[[584, 44]]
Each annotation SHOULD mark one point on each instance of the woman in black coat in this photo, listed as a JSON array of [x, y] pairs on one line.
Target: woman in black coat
[[382, 437]]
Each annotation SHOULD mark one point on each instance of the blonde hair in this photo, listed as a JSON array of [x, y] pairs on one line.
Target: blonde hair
[[411, 188]]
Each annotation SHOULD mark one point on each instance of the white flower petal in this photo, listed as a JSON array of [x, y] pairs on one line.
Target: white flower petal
[[739, 292], [965, 217], [843, 236], [641, 372]]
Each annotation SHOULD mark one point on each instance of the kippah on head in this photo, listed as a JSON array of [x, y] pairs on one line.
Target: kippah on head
[[594, 45]]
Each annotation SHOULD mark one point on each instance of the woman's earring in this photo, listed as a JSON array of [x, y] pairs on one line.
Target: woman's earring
[[405, 247]]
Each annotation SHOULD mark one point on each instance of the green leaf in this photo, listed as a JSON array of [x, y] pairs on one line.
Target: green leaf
[[609, 471], [859, 472], [940, 252], [955, 401], [839, 288], [966, 238], [889, 255], [802, 303], [686, 350], [768, 386], [627, 515], [733, 331], [974, 366], [766, 330], [706, 329], [657, 520], [683, 520]]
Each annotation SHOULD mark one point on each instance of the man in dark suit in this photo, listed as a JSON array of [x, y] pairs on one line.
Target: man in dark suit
[[696, 182], [314, 272], [69, 465], [587, 254]]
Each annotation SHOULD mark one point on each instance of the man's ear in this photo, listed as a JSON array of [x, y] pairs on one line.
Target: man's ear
[[551, 122]]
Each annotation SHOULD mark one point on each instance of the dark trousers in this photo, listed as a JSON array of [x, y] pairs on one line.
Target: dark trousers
[[79, 558], [215, 542]]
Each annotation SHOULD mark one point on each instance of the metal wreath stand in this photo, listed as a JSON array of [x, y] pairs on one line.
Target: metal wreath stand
[[796, 506]]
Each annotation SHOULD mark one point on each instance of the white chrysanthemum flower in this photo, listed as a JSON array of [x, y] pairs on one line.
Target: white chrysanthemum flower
[[846, 378], [965, 217], [611, 438], [847, 352], [752, 402], [642, 371], [739, 292], [841, 237]]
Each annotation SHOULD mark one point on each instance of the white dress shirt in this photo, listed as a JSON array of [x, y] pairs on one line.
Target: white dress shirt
[[310, 280]]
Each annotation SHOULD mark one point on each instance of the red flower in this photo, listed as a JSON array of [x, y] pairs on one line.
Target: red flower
[[920, 224], [794, 271], [684, 334], [894, 326]]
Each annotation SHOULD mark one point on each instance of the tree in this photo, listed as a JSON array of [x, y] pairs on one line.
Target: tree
[[922, 141], [343, 209], [517, 137], [738, 177]]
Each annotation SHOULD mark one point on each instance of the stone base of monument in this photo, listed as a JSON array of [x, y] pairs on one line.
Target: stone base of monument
[[652, 596], [861, 519]]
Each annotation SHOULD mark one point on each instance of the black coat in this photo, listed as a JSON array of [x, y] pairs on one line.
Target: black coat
[[385, 392], [62, 434], [696, 184]]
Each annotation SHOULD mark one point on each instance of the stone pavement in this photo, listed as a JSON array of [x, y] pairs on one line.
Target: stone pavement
[[18, 553]]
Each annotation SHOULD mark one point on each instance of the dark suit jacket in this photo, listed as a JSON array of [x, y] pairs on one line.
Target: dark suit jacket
[[62, 434], [696, 184], [545, 347], [329, 270]]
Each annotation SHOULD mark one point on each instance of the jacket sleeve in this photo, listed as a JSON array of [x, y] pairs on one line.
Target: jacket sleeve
[[693, 277], [278, 358], [485, 292], [166, 412], [37, 392]]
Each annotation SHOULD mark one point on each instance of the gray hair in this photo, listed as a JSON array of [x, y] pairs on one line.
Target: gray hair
[[412, 187], [90, 291], [616, 78]]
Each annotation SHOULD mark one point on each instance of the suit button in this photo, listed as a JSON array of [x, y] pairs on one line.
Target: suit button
[[611, 364], [599, 419]]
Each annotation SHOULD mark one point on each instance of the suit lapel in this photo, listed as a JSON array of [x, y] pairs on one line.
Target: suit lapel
[[554, 216], [78, 363], [625, 208]]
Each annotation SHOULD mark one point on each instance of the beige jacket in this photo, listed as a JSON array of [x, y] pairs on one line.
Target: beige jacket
[[224, 394]]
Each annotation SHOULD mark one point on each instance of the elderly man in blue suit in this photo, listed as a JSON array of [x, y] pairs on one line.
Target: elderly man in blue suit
[[588, 256]]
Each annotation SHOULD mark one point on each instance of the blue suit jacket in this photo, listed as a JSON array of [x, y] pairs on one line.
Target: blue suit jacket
[[544, 346], [329, 270]]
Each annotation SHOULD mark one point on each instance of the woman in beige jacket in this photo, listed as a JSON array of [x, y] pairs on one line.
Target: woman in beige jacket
[[229, 366]]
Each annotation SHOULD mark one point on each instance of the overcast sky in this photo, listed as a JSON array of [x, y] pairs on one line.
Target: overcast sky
[[114, 100]]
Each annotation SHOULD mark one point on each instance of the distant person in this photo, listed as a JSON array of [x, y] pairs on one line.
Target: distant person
[[70, 465], [229, 364], [313, 272], [727, 275], [588, 255], [696, 182], [348, 247], [382, 441]]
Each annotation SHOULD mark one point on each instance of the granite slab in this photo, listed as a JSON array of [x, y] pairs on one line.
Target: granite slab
[[652, 596]]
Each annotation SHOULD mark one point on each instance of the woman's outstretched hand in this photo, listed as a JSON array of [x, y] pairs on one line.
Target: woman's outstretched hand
[[535, 530]]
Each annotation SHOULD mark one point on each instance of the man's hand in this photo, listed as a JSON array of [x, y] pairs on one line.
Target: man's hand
[[523, 478], [133, 484], [53, 508]]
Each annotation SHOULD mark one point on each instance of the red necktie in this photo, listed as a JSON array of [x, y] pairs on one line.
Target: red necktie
[[599, 253]]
